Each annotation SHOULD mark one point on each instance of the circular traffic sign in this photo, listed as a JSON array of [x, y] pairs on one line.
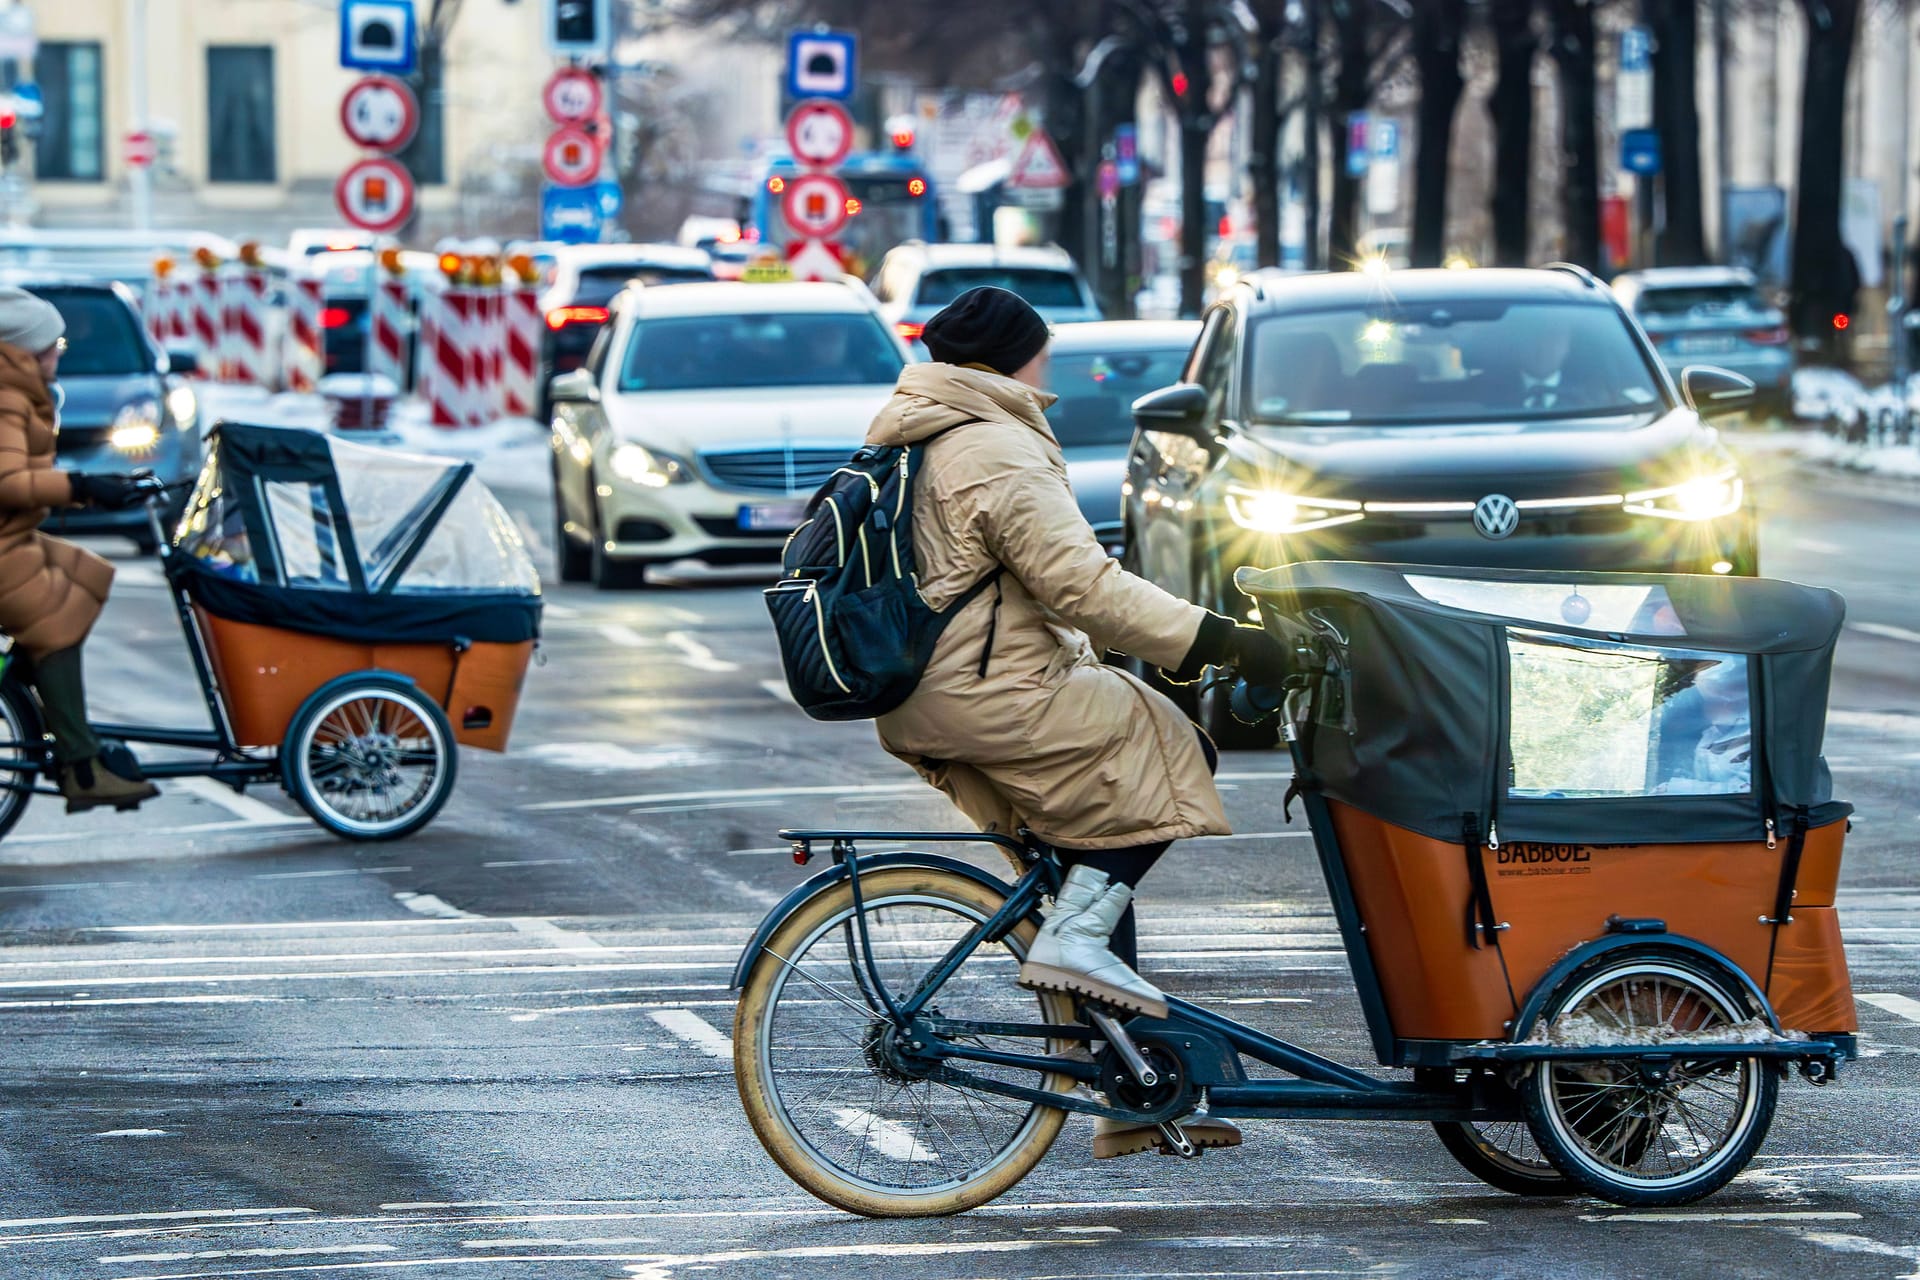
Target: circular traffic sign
[[141, 150], [380, 113], [820, 133], [815, 205], [375, 195], [572, 157], [572, 94]]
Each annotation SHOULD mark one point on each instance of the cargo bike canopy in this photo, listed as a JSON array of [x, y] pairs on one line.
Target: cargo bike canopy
[[295, 529], [1564, 707]]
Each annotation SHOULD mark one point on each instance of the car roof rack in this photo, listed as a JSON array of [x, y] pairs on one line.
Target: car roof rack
[[1575, 270]]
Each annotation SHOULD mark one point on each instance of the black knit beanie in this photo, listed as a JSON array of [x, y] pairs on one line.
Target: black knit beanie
[[986, 326]]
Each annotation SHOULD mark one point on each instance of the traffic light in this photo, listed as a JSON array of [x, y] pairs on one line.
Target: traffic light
[[9, 136], [578, 28]]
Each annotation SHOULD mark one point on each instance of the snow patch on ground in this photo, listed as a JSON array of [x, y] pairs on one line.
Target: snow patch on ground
[[1584, 1031]]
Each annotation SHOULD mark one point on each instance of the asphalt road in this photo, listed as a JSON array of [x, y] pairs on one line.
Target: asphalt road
[[232, 1046]]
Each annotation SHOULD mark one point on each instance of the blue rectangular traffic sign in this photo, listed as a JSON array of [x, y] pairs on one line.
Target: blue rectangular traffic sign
[[821, 64], [1636, 50], [1383, 139], [1640, 151], [572, 215], [377, 35], [1126, 153]]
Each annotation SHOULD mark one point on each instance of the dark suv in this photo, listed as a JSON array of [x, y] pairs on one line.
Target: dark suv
[[1495, 417], [123, 411]]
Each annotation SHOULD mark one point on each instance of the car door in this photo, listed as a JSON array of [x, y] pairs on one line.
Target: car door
[[578, 435], [1169, 470]]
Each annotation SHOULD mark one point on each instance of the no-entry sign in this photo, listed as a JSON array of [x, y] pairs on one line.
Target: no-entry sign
[[572, 95], [375, 195], [820, 133], [815, 205], [571, 158], [380, 113]]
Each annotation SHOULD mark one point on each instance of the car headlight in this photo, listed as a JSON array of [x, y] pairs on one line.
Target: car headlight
[[648, 467], [136, 428], [183, 406], [1705, 497], [1276, 511]]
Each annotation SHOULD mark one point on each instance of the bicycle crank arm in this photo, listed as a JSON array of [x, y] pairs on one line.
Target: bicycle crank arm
[[1116, 1035], [1078, 1105], [1177, 1141]]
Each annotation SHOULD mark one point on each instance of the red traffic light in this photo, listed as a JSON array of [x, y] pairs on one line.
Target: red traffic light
[[1841, 321], [8, 119], [1179, 84], [903, 139]]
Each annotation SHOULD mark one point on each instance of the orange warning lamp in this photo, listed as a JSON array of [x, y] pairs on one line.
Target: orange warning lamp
[[250, 254], [450, 264], [162, 267], [522, 265], [486, 269], [776, 184], [916, 187], [853, 206], [207, 258], [903, 139], [390, 261]]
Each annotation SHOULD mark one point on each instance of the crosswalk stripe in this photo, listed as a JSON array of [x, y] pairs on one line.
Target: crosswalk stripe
[[1903, 1006], [695, 1030]]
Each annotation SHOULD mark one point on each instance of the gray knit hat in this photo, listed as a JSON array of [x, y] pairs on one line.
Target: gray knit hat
[[28, 321]]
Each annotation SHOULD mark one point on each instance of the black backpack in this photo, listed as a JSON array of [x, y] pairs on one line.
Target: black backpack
[[854, 633]]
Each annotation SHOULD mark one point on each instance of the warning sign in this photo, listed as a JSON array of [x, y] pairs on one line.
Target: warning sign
[[1039, 164]]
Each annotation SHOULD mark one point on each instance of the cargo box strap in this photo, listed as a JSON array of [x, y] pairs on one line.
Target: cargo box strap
[[1482, 925], [1790, 867]]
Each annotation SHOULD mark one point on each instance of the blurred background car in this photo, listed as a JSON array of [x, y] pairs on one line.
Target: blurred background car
[[1715, 315], [916, 280], [585, 278], [1099, 369], [702, 423], [307, 242], [124, 411]]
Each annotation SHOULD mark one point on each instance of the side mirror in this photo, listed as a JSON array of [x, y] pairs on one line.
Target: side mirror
[[1715, 393], [184, 361], [574, 387], [1179, 410]]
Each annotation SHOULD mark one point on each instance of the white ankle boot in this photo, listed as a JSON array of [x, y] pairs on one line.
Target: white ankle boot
[[1070, 953]]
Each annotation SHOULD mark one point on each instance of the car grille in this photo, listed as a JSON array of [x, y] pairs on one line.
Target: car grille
[[773, 470]]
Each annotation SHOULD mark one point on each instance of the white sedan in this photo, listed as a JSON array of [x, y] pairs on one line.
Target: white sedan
[[706, 416]]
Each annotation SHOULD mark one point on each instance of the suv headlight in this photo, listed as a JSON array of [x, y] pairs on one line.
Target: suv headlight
[[183, 405], [136, 428], [1704, 497], [649, 467], [1276, 511]]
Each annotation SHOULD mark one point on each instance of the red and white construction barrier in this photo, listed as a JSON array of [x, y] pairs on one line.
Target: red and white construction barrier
[[305, 357], [520, 346], [452, 357], [245, 358], [205, 322], [387, 352]]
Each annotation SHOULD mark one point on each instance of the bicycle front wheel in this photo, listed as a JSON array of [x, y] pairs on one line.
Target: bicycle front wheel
[[833, 1112]]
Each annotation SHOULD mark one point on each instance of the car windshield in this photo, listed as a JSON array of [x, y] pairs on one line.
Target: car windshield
[[103, 337], [1453, 361], [1040, 286], [1703, 298], [1097, 391], [800, 349], [598, 285]]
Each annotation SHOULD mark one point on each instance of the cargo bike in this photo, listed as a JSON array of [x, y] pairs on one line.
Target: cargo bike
[[354, 615], [1581, 848]]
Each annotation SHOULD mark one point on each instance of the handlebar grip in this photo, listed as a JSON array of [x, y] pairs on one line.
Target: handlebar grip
[[1253, 703]]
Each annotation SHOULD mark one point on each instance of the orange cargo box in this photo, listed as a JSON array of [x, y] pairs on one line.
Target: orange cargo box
[[265, 673]]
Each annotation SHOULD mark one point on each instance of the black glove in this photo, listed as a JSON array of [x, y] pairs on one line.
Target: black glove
[[1258, 657], [106, 492]]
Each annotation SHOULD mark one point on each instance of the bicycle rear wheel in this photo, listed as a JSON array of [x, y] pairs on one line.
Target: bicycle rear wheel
[[833, 1111]]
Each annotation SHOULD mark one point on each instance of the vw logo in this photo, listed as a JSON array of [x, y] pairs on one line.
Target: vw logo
[[1495, 516]]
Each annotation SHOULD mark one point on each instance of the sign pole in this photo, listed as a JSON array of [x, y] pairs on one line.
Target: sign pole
[[140, 177]]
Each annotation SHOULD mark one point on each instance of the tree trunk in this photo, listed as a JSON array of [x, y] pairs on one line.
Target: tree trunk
[[1676, 114], [1263, 160], [1195, 110], [1436, 50], [1310, 156], [1351, 92], [1825, 278], [1574, 55], [1511, 106], [1116, 283]]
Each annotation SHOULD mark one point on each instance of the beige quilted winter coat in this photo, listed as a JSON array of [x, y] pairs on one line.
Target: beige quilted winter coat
[[1050, 737]]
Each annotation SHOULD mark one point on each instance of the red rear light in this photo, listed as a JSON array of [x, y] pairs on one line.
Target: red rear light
[[561, 317], [909, 331], [1774, 337], [334, 317], [1841, 321]]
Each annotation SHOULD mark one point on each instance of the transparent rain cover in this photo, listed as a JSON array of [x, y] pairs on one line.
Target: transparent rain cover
[[213, 529]]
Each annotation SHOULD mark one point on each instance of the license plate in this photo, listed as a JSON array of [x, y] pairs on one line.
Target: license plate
[[1702, 344], [771, 517]]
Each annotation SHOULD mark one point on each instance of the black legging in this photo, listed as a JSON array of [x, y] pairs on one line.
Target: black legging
[[1128, 866]]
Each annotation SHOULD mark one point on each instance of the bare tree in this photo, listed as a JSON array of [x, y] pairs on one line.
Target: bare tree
[[1437, 28], [1575, 57], [1511, 107], [1676, 114], [1825, 276]]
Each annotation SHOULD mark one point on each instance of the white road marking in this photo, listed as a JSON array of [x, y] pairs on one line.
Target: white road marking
[[1818, 546], [742, 793], [625, 636], [778, 689], [1785, 1215], [565, 939], [149, 833], [134, 1133], [137, 575], [1885, 631], [305, 1251], [331, 871], [696, 1031], [560, 612], [243, 807], [427, 904], [259, 924], [1903, 1006], [884, 1137], [697, 655], [173, 1215], [531, 862]]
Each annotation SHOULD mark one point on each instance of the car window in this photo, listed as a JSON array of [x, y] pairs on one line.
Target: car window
[[598, 285], [1097, 391], [1040, 286], [1707, 299], [803, 349], [1216, 363], [1448, 361], [103, 335]]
